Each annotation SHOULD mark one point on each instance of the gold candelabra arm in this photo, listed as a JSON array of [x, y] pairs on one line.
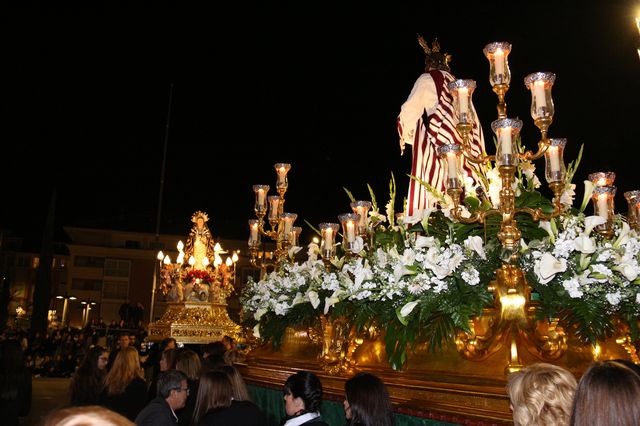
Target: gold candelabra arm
[[465, 131], [543, 145], [545, 339]]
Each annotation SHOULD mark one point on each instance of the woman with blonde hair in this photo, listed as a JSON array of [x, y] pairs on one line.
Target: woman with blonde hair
[[541, 395], [84, 416], [125, 390], [240, 391]]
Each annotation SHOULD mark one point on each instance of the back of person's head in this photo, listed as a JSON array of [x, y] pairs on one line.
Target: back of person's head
[[368, 400], [607, 394], [168, 343], [88, 415], [541, 394], [214, 349], [168, 357], [240, 391], [168, 381], [126, 367], [188, 362], [306, 386], [214, 391]]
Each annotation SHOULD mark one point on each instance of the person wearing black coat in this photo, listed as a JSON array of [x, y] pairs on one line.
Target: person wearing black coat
[[15, 384], [239, 413], [302, 400], [172, 395]]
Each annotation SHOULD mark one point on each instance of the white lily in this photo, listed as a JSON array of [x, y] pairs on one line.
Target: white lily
[[548, 266], [476, 244], [422, 241], [408, 308], [588, 190], [314, 299], [298, 299], [623, 237], [256, 331], [332, 300], [293, 251], [591, 222], [584, 244], [358, 245], [417, 216], [546, 225], [313, 252]]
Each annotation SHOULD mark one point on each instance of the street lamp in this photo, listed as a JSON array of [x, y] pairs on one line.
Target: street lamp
[[65, 305], [86, 311]]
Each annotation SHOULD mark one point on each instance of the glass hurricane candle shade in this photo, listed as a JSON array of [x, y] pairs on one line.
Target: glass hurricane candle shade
[[287, 224], [633, 203], [274, 208], [450, 155], [327, 246], [602, 178], [540, 84], [506, 130], [281, 171], [361, 208], [349, 223], [555, 170], [602, 198], [295, 235], [498, 53], [462, 91], [261, 198], [254, 234]]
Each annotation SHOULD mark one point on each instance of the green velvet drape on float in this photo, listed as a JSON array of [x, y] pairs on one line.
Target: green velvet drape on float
[[271, 403]]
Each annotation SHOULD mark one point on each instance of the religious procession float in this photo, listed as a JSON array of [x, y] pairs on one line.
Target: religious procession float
[[477, 276]]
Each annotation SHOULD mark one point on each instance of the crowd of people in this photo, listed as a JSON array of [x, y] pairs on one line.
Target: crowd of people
[[169, 384]]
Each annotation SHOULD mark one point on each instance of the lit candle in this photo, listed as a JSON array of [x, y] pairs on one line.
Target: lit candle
[[327, 239], [603, 206], [253, 232], [538, 94], [452, 165], [554, 159], [282, 175], [505, 140], [351, 235], [463, 100], [498, 60], [261, 197]]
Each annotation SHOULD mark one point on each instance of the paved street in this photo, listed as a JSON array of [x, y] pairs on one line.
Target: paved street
[[48, 394]]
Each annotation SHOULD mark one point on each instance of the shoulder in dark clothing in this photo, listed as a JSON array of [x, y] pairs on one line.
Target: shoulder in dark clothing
[[240, 413]]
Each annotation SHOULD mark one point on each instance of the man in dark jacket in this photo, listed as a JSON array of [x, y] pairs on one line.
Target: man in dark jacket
[[172, 395]]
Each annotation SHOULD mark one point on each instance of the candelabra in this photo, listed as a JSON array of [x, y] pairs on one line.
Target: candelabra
[[511, 320], [281, 230]]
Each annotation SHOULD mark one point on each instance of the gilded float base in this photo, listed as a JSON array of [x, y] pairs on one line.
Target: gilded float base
[[441, 385], [194, 322]]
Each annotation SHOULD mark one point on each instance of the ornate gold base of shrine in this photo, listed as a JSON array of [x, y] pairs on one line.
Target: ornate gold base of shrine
[[194, 322], [444, 385]]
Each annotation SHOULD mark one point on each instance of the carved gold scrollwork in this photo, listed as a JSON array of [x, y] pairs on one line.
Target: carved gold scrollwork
[[338, 340], [511, 322]]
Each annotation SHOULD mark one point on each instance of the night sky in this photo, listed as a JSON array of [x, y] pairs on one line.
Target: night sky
[[315, 84]]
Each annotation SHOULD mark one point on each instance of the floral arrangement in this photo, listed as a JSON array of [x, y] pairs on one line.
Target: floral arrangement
[[202, 275], [424, 278]]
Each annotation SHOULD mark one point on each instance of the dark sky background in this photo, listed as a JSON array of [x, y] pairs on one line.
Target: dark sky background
[[315, 84]]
